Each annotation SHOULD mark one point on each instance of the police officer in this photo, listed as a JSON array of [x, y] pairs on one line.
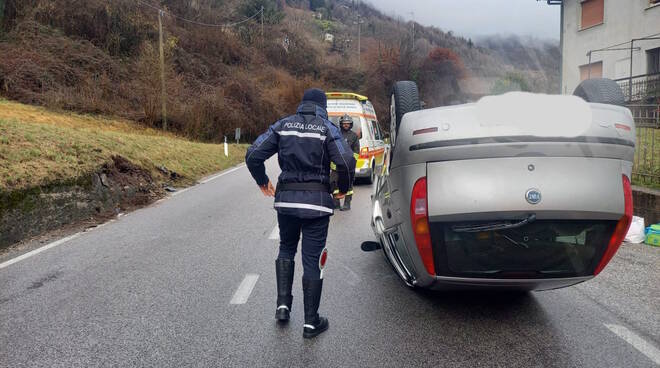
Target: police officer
[[352, 140], [305, 143]]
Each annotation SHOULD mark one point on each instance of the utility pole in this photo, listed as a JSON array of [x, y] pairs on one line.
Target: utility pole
[[630, 96], [162, 69], [262, 25], [359, 24], [413, 30], [359, 28]]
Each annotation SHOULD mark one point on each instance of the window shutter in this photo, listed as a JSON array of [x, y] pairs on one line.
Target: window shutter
[[592, 13], [596, 71]]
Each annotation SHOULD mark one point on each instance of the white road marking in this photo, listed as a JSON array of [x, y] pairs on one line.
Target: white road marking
[[221, 174], [637, 342], [38, 250], [180, 191], [244, 289], [275, 234], [353, 278]]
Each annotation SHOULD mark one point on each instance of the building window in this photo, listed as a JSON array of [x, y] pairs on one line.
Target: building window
[[592, 13], [653, 59], [590, 71]]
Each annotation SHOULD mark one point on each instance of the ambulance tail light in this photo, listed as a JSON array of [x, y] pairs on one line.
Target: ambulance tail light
[[420, 224], [364, 152]]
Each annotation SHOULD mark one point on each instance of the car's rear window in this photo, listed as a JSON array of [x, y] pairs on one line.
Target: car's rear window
[[539, 249]]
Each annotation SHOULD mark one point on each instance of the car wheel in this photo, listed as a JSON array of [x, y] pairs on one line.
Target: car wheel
[[405, 98], [600, 90]]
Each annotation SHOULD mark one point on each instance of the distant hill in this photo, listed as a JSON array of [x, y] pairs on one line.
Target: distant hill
[[100, 56]]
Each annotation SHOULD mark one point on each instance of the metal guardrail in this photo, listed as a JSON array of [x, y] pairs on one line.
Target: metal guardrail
[[646, 165], [645, 88]]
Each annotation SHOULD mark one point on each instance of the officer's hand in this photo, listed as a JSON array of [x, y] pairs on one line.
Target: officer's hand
[[268, 189], [340, 195]]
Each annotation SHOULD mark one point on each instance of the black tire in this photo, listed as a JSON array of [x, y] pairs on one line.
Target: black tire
[[405, 98], [600, 90]]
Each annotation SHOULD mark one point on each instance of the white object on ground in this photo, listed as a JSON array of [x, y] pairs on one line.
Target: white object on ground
[[636, 232]]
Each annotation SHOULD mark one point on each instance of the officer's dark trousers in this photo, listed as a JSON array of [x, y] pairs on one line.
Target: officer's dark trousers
[[314, 233]]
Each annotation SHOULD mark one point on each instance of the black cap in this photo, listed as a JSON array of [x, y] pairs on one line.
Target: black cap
[[316, 96]]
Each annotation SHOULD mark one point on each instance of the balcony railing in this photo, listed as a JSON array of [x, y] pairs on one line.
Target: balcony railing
[[646, 166], [641, 89]]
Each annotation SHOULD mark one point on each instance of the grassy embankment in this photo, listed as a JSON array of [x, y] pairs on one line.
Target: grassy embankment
[[39, 147], [647, 158]]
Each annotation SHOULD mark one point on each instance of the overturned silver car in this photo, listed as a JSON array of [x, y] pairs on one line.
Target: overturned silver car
[[518, 191]]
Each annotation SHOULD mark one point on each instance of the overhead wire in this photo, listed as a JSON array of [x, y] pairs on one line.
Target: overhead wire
[[225, 25]]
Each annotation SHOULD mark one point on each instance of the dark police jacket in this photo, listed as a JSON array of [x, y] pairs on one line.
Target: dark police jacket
[[305, 143]]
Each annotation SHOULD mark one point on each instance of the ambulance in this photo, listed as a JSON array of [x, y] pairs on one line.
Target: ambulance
[[365, 125]]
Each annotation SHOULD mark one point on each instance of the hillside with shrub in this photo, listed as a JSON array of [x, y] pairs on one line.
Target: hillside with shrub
[[102, 57]]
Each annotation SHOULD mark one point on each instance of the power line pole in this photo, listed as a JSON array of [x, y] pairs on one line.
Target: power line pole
[[630, 96], [413, 30], [359, 24], [359, 28], [262, 24], [162, 69]]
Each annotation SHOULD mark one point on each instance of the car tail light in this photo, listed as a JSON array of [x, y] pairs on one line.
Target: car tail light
[[364, 152], [621, 227], [420, 224]]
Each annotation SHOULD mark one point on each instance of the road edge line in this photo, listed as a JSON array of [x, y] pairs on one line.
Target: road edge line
[[39, 250], [223, 173], [71, 237]]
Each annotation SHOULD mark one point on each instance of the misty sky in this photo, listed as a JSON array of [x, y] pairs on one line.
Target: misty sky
[[473, 18]]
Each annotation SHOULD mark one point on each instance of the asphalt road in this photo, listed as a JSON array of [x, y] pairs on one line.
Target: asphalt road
[[156, 288]]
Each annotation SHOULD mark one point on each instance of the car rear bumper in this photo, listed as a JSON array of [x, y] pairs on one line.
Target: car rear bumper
[[363, 172], [459, 283]]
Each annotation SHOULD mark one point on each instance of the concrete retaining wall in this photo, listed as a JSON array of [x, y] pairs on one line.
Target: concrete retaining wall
[[118, 185], [646, 203]]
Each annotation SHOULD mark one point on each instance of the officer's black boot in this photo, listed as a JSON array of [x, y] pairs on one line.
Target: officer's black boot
[[347, 203], [336, 203], [314, 324], [284, 272]]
